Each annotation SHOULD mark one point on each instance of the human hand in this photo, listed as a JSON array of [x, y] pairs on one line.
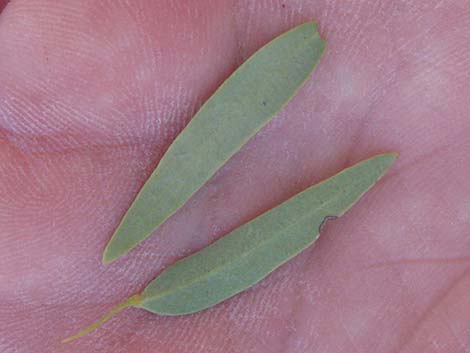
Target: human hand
[[91, 95]]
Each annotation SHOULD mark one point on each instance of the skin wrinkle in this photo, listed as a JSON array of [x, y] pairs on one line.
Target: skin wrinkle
[[451, 261], [110, 45], [457, 339], [419, 161], [300, 299], [285, 340], [412, 225], [356, 33], [60, 149], [408, 337], [366, 120], [348, 335], [351, 339]]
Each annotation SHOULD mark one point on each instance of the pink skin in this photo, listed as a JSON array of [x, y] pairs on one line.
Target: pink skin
[[91, 94]]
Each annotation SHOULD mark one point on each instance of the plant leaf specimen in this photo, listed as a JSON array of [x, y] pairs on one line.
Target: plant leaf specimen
[[239, 108], [250, 252]]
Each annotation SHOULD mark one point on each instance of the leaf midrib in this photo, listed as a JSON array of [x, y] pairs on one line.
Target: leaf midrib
[[220, 268]]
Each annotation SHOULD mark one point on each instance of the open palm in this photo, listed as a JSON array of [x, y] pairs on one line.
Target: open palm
[[93, 92]]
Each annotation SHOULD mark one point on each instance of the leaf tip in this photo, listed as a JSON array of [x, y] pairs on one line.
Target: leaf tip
[[107, 259], [385, 161], [110, 254], [391, 156]]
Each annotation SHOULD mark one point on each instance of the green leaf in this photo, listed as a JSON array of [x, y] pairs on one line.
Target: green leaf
[[250, 252], [241, 106]]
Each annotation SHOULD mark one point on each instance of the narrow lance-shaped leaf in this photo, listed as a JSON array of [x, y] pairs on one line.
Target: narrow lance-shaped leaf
[[250, 252], [243, 104]]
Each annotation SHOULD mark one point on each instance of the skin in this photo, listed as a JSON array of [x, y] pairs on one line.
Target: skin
[[91, 95]]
